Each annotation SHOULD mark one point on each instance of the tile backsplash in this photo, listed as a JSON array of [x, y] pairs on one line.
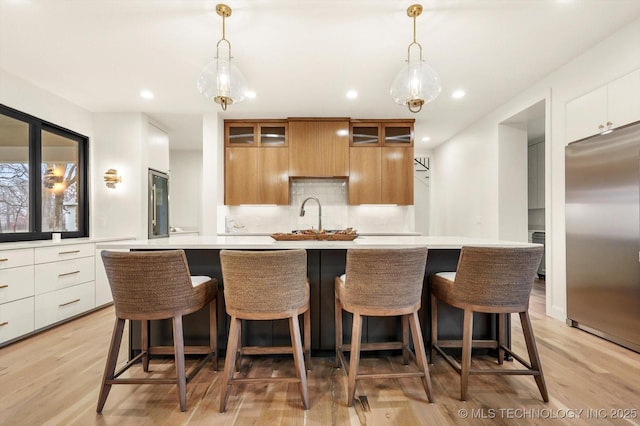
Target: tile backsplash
[[336, 213]]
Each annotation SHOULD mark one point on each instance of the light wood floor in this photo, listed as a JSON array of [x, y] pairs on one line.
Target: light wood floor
[[53, 378]]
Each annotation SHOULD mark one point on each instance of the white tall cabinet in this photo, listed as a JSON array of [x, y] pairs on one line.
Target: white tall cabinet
[[607, 107]]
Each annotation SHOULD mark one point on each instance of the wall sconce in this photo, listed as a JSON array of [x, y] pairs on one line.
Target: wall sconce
[[111, 178]]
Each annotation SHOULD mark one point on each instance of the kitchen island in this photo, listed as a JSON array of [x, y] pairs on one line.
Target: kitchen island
[[325, 260]]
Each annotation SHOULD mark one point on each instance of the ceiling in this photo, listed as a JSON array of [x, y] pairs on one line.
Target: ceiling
[[299, 56]]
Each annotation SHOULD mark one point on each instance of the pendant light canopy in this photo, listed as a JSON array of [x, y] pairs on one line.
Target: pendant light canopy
[[220, 80], [417, 83]]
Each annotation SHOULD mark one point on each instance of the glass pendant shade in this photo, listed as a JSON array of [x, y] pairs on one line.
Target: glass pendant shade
[[221, 81], [416, 84]]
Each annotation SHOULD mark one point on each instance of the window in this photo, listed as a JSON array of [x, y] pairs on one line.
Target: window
[[43, 179]]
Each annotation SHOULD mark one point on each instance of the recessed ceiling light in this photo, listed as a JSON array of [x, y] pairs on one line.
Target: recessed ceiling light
[[458, 94], [426, 139], [146, 94], [352, 94]]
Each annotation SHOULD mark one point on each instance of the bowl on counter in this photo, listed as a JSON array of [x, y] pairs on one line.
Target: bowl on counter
[[348, 234]]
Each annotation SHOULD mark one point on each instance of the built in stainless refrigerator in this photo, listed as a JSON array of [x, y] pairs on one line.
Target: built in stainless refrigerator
[[158, 204], [603, 235]]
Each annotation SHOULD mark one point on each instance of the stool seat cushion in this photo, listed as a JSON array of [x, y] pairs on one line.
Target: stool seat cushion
[[199, 279], [450, 276]]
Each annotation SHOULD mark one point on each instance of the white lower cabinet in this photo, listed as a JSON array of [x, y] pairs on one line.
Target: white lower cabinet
[[16, 319], [64, 273], [61, 304], [16, 283]]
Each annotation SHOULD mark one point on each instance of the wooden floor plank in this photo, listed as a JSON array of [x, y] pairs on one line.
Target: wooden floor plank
[[53, 378]]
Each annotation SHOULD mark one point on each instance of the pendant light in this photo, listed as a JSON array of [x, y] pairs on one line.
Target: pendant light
[[220, 80], [417, 83]]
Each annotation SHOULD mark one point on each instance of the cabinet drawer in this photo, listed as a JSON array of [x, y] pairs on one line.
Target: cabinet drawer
[[66, 273], [16, 319], [61, 304], [16, 283], [64, 252], [13, 258]]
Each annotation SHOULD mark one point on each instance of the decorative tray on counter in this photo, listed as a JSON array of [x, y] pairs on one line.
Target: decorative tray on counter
[[348, 234]]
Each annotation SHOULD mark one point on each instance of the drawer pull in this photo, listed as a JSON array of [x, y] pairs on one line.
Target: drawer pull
[[69, 252], [68, 273], [4, 259], [4, 323], [69, 303], [4, 285]]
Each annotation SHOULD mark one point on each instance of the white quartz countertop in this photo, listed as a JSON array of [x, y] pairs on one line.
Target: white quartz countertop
[[63, 242], [265, 242]]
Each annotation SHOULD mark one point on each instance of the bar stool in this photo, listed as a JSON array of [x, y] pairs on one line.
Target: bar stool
[[266, 285], [381, 282], [156, 285], [494, 280]]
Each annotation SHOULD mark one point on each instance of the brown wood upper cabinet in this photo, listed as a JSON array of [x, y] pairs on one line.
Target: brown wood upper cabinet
[[250, 133], [319, 147], [367, 133], [381, 162], [256, 162]]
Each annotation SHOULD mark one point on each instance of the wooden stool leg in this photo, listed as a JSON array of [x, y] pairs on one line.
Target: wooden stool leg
[[467, 340], [144, 340], [298, 358], [307, 338], [434, 327], [110, 365], [178, 343], [405, 339], [421, 357], [354, 358], [534, 358], [230, 361], [339, 336], [502, 319], [213, 332]]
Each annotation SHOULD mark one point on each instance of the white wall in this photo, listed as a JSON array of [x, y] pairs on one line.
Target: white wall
[[512, 183], [119, 143], [212, 173], [18, 94], [186, 189], [465, 168]]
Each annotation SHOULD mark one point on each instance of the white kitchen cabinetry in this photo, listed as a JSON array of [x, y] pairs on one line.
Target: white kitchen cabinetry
[[49, 283], [64, 282], [535, 160], [64, 303], [613, 105], [16, 293]]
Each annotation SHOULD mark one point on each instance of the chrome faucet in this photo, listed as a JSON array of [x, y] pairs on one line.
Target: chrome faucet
[[319, 210]]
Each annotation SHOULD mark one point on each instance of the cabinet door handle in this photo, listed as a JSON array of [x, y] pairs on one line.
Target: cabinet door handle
[[4, 323], [69, 252], [4, 285], [69, 303], [68, 273], [3, 259]]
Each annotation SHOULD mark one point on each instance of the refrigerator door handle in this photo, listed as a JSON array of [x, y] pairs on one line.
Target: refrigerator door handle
[[153, 203]]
